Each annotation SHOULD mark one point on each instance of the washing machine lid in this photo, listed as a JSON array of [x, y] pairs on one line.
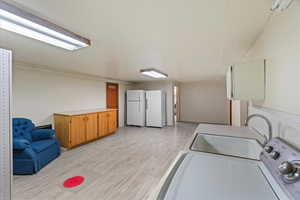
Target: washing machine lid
[[211, 177]]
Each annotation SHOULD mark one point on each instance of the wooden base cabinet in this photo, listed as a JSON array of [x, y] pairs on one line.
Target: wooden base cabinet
[[112, 123], [107, 123], [103, 124], [92, 132], [77, 130], [73, 130]]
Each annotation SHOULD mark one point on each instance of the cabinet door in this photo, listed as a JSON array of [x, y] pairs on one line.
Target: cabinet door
[[103, 124], [112, 121], [78, 130], [62, 128], [91, 126]]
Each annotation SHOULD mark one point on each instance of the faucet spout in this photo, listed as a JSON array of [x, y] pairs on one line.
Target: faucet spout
[[270, 128]]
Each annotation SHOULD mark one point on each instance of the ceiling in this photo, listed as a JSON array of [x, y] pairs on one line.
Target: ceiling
[[188, 39]]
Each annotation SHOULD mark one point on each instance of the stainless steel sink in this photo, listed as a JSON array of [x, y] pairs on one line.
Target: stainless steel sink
[[227, 145]]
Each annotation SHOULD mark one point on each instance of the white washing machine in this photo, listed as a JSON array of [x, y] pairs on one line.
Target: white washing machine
[[199, 175]]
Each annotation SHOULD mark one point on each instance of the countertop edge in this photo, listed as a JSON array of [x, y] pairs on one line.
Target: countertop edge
[[83, 112]]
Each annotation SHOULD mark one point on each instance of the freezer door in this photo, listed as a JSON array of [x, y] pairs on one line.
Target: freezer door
[[135, 95], [154, 109]]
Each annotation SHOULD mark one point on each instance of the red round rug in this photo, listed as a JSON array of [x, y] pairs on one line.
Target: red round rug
[[73, 181]]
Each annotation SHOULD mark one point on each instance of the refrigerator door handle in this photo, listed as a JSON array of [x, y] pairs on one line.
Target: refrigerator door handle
[[139, 106]]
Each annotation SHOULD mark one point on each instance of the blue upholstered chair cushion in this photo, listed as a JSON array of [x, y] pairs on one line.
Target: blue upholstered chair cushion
[[42, 134], [41, 145]]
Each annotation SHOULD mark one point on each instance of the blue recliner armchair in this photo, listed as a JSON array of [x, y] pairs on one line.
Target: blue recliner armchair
[[32, 148]]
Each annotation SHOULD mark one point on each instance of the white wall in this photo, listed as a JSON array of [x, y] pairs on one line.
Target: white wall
[[37, 94], [284, 125], [166, 86], [122, 103], [280, 45], [204, 101], [239, 112], [236, 113]]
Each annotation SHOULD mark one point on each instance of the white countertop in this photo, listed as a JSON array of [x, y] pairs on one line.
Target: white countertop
[[214, 129], [87, 111], [244, 132]]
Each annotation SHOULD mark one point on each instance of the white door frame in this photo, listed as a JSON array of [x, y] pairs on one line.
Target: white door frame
[[5, 124]]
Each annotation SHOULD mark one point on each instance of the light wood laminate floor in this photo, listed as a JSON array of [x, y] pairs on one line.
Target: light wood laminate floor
[[124, 166]]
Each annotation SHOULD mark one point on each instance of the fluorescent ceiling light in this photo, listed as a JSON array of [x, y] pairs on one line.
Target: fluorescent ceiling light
[[18, 21], [154, 73], [281, 5]]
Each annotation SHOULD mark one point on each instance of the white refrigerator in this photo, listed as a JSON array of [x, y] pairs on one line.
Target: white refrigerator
[[136, 107], [155, 108]]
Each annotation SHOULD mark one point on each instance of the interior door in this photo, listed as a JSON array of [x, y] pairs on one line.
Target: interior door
[[92, 126], [112, 96], [112, 122], [103, 124], [78, 130], [154, 108]]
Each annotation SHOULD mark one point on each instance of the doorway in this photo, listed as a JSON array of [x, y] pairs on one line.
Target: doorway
[[112, 97], [230, 112], [176, 103]]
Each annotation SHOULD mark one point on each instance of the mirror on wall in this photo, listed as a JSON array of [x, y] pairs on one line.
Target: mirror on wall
[[282, 86], [246, 80]]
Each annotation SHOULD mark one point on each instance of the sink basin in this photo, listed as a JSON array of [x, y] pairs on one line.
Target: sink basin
[[227, 145]]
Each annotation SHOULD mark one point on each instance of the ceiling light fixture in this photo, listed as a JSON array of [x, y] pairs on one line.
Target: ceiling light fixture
[[281, 5], [18, 21], [154, 73]]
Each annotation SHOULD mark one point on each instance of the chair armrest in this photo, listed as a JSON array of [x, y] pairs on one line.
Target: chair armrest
[[42, 134], [20, 144]]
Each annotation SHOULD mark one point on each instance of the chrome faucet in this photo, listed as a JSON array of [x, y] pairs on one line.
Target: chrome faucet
[[269, 126]]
